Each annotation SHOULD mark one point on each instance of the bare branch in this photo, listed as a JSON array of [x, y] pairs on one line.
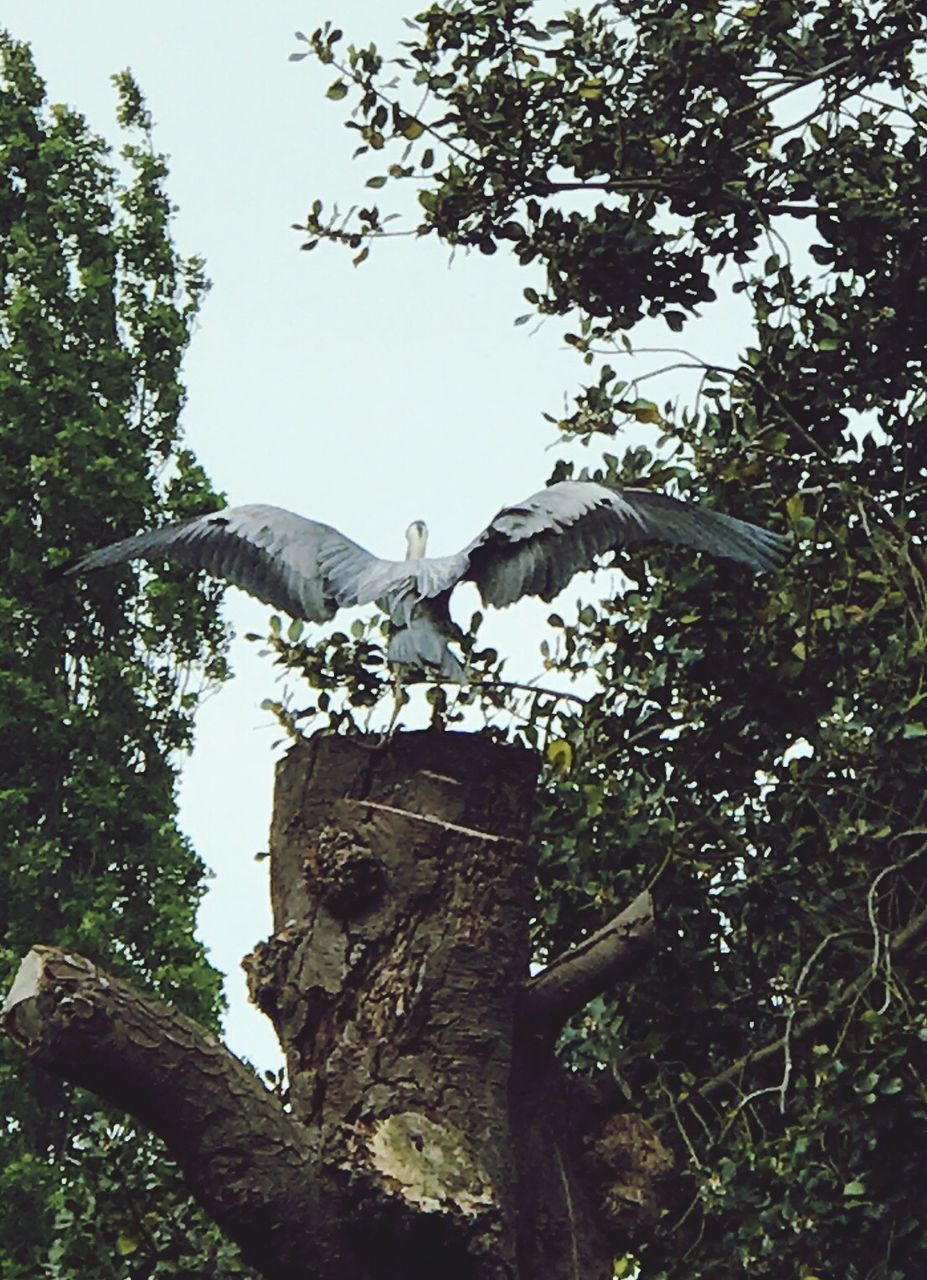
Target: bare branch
[[244, 1158], [907, 939], [588, 969], [435, 822]]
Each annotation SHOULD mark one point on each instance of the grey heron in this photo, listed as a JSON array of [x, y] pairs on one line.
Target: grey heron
[[310, 570]]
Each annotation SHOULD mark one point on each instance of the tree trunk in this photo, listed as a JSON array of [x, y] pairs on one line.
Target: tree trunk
[[435, 1130]]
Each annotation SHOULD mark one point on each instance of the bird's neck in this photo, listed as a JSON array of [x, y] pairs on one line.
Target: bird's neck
[[415, 544]]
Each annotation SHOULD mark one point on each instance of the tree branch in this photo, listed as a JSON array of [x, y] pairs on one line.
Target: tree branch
[[907, 939], [573, 979], [244, 1158]]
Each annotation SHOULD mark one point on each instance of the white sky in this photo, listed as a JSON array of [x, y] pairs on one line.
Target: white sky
[[361, 397]]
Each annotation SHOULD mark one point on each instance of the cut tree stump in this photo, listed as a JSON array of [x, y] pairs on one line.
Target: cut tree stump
[[429, 1131]]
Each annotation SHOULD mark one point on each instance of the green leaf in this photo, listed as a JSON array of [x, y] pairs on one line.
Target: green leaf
[[591, 90], [337, 91], [819, 133], [560, 755], [645, 411]]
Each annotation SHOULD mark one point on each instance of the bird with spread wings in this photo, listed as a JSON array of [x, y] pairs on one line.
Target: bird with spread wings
[[310, 570]]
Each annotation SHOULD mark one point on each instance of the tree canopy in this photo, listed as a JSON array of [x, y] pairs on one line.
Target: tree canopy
[[755, 751], [97, 685]]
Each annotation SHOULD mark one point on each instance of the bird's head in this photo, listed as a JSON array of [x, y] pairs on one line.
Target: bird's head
[[416, 540]]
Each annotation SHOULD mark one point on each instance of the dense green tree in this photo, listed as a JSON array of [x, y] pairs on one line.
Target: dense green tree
[[97, 686], [756, 751]]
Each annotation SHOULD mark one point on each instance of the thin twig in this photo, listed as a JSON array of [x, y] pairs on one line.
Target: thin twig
[[904, 941]]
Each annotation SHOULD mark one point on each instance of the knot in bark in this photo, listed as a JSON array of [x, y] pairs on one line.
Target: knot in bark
[[352, 879], [632, 1171], [267, 966]]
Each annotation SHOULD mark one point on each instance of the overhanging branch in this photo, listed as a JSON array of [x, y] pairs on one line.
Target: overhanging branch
[[244, 1158]]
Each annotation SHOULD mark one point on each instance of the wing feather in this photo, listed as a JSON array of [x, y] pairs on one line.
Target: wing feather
[[309, 570], [305, 568], [536, 547]]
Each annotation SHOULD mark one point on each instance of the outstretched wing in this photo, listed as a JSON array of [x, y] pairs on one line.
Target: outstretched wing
[[536, 547], [308, 570]]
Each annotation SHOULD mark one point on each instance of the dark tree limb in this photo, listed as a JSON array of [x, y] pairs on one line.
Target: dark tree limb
[[588, 969], [243, 1157]]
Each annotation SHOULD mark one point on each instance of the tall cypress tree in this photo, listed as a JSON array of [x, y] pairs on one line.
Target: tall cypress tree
[[97, 684]]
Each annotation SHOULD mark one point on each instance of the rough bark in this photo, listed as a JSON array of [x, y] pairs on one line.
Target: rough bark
[[242, 1156], [430, 1129], [401, 894]]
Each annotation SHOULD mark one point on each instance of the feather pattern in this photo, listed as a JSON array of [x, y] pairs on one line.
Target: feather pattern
[[310, 570], [535, 548]]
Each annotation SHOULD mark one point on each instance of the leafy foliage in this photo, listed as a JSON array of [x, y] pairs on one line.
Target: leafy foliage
[[347, 681], [755, 750], [97, 683]]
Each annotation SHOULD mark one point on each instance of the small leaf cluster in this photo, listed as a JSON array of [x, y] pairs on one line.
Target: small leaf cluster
[[348, 683], [153, 1227]]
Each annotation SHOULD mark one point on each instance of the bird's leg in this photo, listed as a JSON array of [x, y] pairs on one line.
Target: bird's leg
[[399, 701]]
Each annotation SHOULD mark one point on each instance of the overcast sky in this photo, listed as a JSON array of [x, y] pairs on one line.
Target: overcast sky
[[361, 397]]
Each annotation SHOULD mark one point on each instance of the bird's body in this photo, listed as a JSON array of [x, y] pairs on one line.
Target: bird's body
[[310, 570]]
